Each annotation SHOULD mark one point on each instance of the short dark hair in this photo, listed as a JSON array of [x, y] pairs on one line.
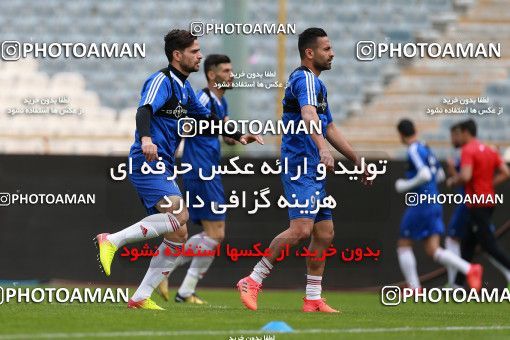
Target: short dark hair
[[308, 39], [177, 40], [454, 127], [406, 127], [213, 60], [469, 126]]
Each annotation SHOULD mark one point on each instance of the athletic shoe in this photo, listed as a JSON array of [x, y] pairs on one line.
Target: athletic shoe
[[249, 290], [106, 252], [144, 304], [474, 276], [317, 306], [163, 289], [193, 298]]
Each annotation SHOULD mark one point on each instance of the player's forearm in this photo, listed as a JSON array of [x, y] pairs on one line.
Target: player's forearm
[[341, 144], [319, 141], [229, 141], [214, 119], [456, 180], [502, 176], [423, 176], [309, 114], [403, 185], [450, 168], [143, 121], [236, 135], [465, 174]]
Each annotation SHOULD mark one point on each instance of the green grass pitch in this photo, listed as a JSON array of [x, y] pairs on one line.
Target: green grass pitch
[[363, 317]]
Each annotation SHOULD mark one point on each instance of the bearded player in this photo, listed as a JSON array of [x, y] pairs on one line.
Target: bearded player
[[166, 97], [204, 152], [305, 99]]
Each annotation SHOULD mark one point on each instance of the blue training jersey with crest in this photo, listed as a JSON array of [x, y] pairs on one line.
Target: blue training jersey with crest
[[171, 97], [303, 88], [420, 155], [205, 151]]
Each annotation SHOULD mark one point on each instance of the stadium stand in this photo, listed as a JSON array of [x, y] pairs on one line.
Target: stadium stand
[[367, 98], [426, 82]]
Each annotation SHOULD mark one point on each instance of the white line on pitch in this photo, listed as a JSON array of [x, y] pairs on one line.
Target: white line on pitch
[[252, 331]]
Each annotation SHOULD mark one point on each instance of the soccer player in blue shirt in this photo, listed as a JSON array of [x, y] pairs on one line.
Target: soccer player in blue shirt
[[166, 97], [423, 221], [305, 99], [204, 153]]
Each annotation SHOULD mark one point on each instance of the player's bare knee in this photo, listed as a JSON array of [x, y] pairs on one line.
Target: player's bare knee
[[430, 249], [429, 252], [182, 217], [182, 234], [216, 234], [431, 245], [220, 235], [214, 229], [403, 242], [179, 236], [326, 236], [301, 230]]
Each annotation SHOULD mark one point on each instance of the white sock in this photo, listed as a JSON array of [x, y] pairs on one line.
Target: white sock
[[150, 227], [159, 268], [199, 266], [453, 246], [501, 268], [447, 258], [261, 270], [407, 263], [193, 243], [313, 287]]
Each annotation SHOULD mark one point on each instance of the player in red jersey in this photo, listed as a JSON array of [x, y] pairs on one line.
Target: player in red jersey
[[481, 169]]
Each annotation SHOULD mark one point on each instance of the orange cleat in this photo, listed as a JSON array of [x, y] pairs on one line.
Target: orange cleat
[[317, 306], [249, 290], [474, 276]]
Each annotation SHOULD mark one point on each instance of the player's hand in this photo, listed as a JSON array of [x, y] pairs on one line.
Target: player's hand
[[327, 159], [450, 182], [149, 149], [249, 138], [366, 174], [229, 141], [450, 162], [365, 180]]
